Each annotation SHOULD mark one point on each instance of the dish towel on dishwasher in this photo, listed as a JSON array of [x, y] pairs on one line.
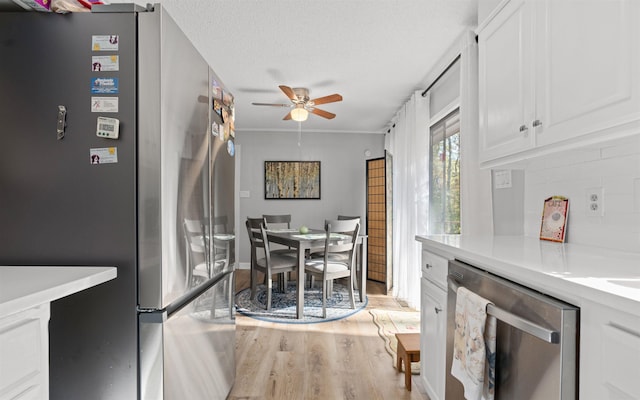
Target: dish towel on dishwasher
[[474, 346]]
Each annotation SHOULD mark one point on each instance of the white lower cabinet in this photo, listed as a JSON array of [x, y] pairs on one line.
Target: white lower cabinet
[[609, 354], [24, 354], [435, 268], [433, 323]]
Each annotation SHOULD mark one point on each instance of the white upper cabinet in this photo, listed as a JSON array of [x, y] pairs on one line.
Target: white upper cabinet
[[587, 67], [556, 74], [506, 84]]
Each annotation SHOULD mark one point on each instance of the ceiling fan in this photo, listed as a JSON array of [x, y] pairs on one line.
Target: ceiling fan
[[301, 105]]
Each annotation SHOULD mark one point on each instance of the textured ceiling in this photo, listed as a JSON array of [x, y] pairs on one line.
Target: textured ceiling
[[375, 53]]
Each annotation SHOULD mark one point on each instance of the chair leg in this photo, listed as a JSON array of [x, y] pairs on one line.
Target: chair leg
[[254, 283], [269, 286], [232, 285], [358, 269], [353, 298], [324, 298]]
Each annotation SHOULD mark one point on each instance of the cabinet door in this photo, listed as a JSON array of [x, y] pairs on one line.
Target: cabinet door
[[587, 68], [609, 353], [433, 322], [434, 269], [506, 82], [24, 354]]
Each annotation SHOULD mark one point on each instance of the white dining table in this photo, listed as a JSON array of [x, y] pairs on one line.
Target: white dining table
[[314, 239]]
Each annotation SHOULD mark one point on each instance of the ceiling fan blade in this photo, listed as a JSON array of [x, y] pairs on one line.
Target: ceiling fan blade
[[271, 104], [327, 99], [323, 113], [289, 92], [287, 117]]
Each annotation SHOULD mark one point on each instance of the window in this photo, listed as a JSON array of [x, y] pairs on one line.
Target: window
[[444, 179]]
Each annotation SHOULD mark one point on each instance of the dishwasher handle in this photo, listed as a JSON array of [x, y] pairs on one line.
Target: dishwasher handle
[[548, 335]]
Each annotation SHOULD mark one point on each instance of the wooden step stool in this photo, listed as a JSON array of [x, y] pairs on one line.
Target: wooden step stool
[[408, 351]]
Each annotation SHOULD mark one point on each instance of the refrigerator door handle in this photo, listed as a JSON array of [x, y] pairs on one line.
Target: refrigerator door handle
[[158, 316], [149, 316]]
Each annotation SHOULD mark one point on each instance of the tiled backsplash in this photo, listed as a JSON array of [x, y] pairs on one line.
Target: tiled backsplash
[[615, 168]]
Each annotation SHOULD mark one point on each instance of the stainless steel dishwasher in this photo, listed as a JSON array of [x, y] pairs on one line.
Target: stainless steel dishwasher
[[536, 342]]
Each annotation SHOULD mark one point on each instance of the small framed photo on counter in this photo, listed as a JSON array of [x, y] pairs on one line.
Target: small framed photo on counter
[[554, 219]]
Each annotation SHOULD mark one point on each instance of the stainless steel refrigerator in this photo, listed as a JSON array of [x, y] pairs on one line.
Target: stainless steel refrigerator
[[115, 133]]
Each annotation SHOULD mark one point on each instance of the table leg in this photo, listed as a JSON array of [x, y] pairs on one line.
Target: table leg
[[358, 282], [300, 286], [362, 276]]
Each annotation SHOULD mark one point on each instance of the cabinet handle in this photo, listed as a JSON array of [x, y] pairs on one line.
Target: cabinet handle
[[523, 128], [437, 310], [536, 123], [427, 266]]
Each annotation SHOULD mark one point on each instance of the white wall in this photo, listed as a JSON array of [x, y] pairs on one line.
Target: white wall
[[342, 174], [616, 168], [508, 206], [485, 8]]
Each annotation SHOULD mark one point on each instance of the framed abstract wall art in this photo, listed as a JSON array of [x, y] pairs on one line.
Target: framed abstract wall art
[[292, 180]]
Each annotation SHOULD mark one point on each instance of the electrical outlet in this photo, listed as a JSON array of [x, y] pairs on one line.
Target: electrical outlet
[[595, 202]]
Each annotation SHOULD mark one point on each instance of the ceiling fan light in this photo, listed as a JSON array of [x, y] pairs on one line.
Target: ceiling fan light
[[299, 113]]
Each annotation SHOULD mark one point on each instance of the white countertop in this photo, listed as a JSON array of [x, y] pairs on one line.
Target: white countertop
[[25, 287], [570, 272]]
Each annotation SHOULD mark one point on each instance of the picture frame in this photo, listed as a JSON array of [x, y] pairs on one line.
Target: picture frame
[[292, 180], [554, 219]]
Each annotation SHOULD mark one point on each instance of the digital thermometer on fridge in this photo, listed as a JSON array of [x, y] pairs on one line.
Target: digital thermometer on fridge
[[108, 128]]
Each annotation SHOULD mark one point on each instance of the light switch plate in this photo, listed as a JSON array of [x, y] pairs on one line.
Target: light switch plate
[[502, 179]]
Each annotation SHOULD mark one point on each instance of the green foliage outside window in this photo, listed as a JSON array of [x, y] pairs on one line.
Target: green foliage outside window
[[444, 190]]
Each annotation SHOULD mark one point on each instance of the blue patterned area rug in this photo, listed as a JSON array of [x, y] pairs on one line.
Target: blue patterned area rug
[[283, 306]]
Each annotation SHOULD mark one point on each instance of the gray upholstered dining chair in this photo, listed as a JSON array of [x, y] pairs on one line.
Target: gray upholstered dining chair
[[281, 221], [337, 256], [271, 263], [346, 217], [328, 269], [342, 256]]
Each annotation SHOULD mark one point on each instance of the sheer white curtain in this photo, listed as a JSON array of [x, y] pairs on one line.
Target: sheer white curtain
[[408, 143], [476, 212]]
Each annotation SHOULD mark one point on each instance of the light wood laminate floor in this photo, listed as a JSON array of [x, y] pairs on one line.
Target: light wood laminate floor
[[344, 359]]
